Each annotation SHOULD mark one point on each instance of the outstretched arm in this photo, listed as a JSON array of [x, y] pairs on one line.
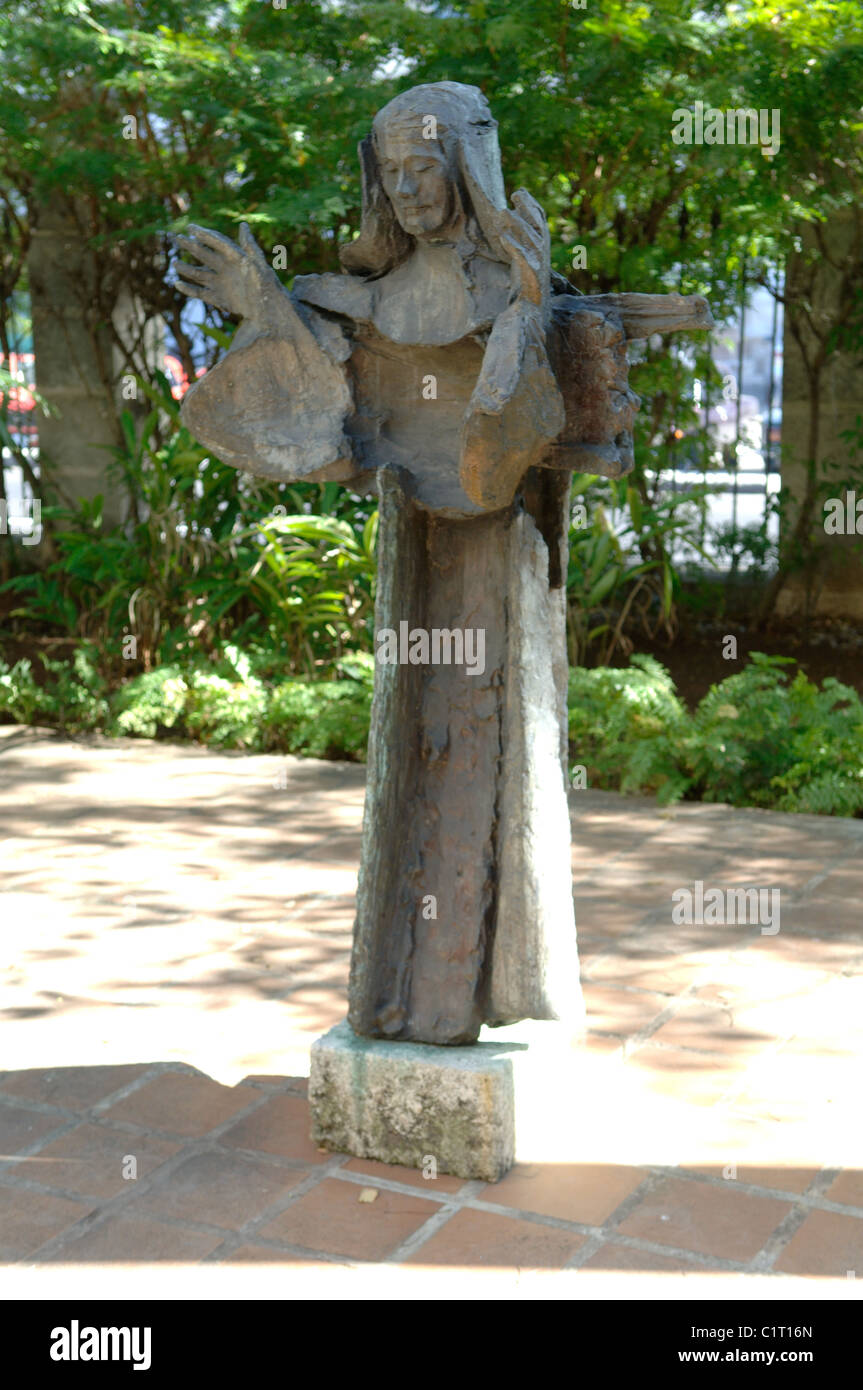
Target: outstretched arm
[[588, 351], [276, 404], [234, 276], [642, 315]]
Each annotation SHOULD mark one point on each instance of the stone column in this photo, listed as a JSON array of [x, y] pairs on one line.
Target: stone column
[[837, 581], [78, 366]]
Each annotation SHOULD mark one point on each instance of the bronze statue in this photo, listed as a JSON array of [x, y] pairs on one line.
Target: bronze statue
[[453, 371]]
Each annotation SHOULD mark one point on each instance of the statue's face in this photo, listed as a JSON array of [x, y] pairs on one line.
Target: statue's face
[[419, 182]]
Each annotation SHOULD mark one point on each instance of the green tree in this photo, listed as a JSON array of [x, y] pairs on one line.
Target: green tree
[[241, 111]]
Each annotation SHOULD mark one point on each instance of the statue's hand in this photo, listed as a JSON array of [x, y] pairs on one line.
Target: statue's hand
[[524, 233], [233, 276], [519, 235]]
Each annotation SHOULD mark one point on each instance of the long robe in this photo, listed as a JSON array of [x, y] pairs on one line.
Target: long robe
[[464, 903]]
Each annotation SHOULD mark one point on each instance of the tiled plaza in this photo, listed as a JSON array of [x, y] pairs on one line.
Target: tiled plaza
[[176, 932]]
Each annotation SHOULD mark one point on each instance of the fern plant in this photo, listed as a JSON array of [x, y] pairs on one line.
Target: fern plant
[[628, 727], [208, 555], [759, 738]]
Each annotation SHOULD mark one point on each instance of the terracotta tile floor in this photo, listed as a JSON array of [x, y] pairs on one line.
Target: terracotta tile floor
[[176, 932]]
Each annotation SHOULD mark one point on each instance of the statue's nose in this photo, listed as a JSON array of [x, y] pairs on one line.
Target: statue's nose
[[406, 185]]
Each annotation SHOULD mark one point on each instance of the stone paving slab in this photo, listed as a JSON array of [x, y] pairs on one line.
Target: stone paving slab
[[176, 932]]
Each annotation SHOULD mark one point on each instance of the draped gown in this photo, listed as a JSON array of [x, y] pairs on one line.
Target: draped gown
[[464, 903]]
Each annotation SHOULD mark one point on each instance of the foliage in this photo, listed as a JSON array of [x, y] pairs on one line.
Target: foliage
[[762, 740], [72, 697], [150, 704], [224, 712], [322, 720], [225, 705], [321, 582], [626, 726], [621, 578], [210, 554], [756, 739], [21, 697], [759, 738], [245, 111]]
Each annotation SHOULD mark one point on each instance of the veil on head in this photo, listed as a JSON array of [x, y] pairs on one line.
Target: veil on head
[[467, 131]]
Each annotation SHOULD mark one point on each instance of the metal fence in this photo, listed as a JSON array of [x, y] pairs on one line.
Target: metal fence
[[744, 426]]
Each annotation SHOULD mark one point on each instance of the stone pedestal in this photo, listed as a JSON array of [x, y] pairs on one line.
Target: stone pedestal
[[406, 1103]]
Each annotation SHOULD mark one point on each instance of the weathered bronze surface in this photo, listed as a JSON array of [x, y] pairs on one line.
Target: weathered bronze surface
[[451, 370]]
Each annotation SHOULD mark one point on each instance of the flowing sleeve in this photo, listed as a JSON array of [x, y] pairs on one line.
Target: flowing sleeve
[[278, 402], [515, 412]]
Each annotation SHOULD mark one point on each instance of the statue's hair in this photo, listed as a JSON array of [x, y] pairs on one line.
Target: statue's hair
[[467, 132]]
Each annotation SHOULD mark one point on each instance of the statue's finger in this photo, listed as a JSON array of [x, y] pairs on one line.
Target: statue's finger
[[196, 272], [527, 269], [215, 240], [526, 247], [535, 226], [528, 256], [524, 232], [193, 291], [516, 249], [190, 247], [248, 243], [205, 292]]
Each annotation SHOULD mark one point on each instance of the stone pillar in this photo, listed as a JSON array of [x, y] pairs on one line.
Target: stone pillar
[[74, 356], [837, 582]]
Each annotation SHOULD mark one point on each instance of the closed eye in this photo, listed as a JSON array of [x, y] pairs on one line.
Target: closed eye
[[417, 168]]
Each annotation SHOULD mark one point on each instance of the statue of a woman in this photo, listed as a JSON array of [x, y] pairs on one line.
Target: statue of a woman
[[452, 370]]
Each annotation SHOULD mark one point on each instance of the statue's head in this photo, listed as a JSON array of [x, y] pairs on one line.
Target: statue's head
[[428, 146]]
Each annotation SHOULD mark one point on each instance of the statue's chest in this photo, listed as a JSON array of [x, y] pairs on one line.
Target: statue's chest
[[410, 404]]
